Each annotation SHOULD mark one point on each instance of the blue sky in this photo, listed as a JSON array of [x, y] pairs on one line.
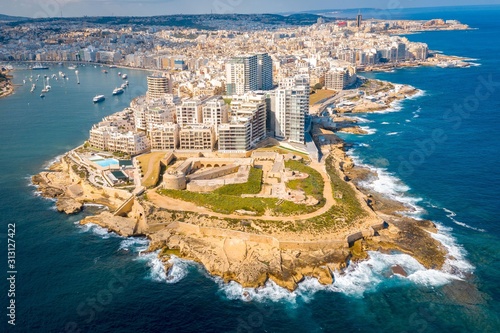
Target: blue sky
[[51, 8]]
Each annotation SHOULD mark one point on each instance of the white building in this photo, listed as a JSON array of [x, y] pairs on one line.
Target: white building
[[164, 136], [110, 138], [190, 112], [159, 86], [289, 108], [197, 137], [215, 112]]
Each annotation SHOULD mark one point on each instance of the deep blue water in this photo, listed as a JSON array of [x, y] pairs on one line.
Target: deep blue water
[[74, 279]]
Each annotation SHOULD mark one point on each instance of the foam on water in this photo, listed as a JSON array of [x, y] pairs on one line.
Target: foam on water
[[390, 186], [269, 292], [357, 280], [362, 120], [96, 230], [418, 94], [157, 272], [456, 263], [370, 131], [134, 244], [48, 164], [451, 215]]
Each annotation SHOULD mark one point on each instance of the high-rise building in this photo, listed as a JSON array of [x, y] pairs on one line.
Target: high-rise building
[[215, 112], [359, 19], [251, 108], [159, 86], [249, 73], [264, 72], [289, 108]]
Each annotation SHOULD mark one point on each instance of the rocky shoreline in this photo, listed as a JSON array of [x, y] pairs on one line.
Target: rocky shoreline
[[241, 250]]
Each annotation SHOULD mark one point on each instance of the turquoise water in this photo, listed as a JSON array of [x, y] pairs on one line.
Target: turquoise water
[[107, 163], [83, 279]]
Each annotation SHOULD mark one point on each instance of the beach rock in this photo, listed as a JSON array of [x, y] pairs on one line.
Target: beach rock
[[396, 269], [353, 130], [68, 206], [121, 225]]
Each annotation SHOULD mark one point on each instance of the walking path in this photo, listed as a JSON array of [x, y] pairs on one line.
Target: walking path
[[179, 205]]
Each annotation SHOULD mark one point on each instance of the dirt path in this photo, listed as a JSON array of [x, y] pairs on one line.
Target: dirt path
[[179, 205]]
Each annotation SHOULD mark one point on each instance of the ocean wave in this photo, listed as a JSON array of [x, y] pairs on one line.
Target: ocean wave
[[96, 230], [157, 272], [362, 120], [363, 145], [451, 215], [357, 280], [390, 186], [418, 94], [269, 292], [134, 244], [368, 130], [395, 106], [47, 164], [456, 263]]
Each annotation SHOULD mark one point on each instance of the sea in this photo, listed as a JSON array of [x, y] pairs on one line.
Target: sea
[[437, 152]]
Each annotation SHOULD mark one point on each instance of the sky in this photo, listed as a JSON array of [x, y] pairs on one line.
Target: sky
[[72, 8]]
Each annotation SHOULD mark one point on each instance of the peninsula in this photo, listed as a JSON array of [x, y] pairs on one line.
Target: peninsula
[[232, 159], [275, 212]]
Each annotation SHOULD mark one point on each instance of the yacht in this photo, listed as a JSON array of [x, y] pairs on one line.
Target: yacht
[[33, 87], [72, 67], [118, 91], [39, 66], [124, 86], [124, 76], [99, 98]]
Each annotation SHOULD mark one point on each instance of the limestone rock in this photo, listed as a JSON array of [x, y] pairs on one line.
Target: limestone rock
[[68, 206]]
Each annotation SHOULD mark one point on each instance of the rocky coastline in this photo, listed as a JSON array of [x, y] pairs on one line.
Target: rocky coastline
[[242, 250]]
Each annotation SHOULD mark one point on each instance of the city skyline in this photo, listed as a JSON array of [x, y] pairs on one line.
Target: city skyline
[[78, 8]]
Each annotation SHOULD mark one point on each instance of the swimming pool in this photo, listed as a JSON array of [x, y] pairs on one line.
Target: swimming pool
[[106, 163]]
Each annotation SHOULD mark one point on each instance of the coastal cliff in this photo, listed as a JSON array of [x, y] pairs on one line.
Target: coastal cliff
[[250, 250]]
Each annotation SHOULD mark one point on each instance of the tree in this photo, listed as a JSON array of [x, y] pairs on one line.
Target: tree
[[318, 86]]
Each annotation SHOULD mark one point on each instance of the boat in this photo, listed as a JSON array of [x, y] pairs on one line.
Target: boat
[[42, 95], [118, 91], [45, 90], [124, 76], [124, 86], [105, 71], [33, 87], [112, 66], [72, 67], [99, 98], [39, 66], [119, 73]]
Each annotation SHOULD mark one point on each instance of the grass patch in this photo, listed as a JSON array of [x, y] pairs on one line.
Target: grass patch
[[150, 168], [321, 95], [312, 185], [229, 204], [253, 186], [348, 208]]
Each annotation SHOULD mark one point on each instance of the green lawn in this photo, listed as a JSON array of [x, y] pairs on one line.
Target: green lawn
[[253, 186], [312, 185]]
